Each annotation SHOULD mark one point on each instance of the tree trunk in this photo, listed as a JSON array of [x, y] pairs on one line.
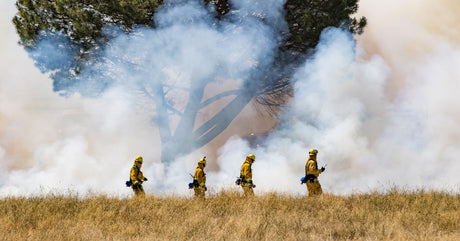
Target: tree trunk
[[185, 139]]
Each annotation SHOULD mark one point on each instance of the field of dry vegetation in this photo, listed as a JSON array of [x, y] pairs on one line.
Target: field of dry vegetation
[[395, 215]]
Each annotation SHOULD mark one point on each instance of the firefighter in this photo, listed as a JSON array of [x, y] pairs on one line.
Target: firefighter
[[311, 174], [246, 176], [137, 178], [199, 179]]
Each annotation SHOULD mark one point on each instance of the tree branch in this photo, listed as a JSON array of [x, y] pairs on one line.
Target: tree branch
[[219, 96], [213, 127]]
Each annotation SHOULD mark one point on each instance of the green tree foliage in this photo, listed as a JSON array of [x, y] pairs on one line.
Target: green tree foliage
[[81, 20], [307, 18], [83, 23], [222, 6]]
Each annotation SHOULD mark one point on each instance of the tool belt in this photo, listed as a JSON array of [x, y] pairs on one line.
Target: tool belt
[[311, 178], [137, 186], [245, 183]]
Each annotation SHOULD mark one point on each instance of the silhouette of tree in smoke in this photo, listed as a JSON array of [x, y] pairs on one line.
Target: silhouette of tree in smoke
[[82, 22]]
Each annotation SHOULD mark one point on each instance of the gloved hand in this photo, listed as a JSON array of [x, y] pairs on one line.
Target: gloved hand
[[323, 169], [145, 179], [238, 181], [205, 188], [253, 186]]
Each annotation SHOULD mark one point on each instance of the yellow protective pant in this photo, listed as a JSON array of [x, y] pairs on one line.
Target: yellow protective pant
[[199, 192], [248, 191], [314, 188], [138, 191]]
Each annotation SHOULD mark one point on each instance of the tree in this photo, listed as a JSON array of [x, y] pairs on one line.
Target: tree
[[81, 24]]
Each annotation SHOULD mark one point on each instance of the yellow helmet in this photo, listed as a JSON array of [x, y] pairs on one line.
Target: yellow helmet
[[139, 159], [313, 152], [252, 157], [202, 161]]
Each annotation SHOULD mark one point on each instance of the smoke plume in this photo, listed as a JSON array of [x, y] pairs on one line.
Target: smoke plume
[[381, 108]]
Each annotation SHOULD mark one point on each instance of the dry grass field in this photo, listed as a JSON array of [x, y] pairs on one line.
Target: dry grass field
[[395, 215]]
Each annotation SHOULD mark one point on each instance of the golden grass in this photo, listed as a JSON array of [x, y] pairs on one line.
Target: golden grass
[[396, 215]]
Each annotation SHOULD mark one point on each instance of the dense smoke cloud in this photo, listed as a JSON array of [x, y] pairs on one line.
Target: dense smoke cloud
[[48, 142], [382, 110], [380, 119], [186, 50]]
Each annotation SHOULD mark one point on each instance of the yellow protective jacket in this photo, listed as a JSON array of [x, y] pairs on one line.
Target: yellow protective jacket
[[311, 168], [200, 176], [136, 175], [246, 173]]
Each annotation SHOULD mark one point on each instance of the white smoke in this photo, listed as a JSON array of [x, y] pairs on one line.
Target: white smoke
[[88, 144], [50, 143], [379, 120], [338, 105], [382, 110]]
